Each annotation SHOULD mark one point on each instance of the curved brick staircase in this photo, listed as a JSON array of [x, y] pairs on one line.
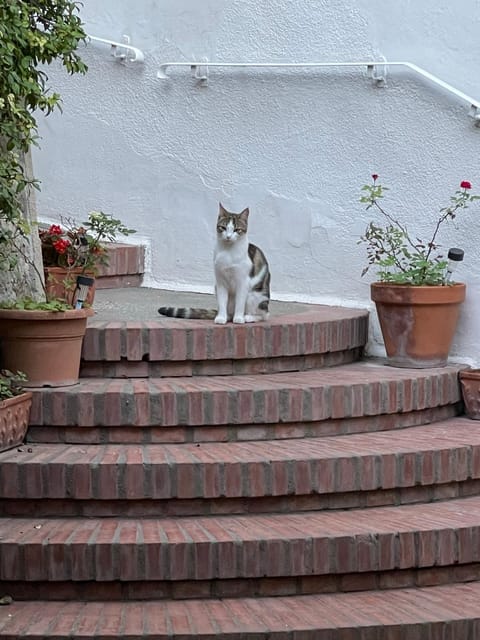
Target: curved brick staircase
[[243, 482]]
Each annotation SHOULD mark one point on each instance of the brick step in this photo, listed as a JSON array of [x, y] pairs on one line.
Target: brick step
[[125, 268], [318, 337], [231, 547], [426, 463], [160, 590], [449, 612], [351, 391]]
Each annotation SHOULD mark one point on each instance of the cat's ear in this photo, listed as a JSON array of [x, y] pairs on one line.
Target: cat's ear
[[244, 214], [221, 209]]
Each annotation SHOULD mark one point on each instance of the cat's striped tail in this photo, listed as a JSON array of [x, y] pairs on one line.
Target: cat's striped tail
[[190, 313]]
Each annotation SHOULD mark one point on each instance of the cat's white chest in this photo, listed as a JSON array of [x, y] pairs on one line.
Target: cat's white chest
[[231, 264]]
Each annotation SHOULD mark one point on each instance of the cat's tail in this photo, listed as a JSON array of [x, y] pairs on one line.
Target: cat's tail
[[190, 313]]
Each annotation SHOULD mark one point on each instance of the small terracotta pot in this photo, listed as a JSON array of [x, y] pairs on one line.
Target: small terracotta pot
[[14, 418], [45, 345], [61, 283], [418, 323], [470, 386]]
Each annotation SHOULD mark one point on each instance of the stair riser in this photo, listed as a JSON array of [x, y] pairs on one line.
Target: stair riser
[[178, 340], [203, 507], [232, 433], [240, 588], [119, 474], [156, 402], [115, 553], [145, 369]]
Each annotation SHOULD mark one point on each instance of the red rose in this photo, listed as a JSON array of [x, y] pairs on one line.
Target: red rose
[[61, 246], [55, 230], [465, 184], [375, 176]]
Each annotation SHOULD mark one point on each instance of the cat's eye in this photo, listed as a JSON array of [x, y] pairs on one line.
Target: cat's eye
[[221, 228], [239, 231]]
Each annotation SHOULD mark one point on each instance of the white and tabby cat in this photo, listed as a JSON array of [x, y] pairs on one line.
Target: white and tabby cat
[[242, 276]]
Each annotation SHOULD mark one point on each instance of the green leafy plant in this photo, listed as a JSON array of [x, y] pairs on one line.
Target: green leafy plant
[[33, 34], [400, 258], [27, 304], [11, 384], [81, 247]]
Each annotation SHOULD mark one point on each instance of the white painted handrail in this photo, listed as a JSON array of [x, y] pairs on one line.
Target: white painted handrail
[[120, 50], [200, 70]]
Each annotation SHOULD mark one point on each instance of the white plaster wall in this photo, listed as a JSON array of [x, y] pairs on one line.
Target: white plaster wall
[[294, 146]]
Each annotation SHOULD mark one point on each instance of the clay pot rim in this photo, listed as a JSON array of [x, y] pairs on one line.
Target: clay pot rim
[[474, 374], [405, 294], [21, 397], [26, 314]]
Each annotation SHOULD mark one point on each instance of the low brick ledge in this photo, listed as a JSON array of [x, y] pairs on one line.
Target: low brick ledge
[[318, 331], [123, 260], [438, 612], [349, 391], [439, 453], [249, 546]]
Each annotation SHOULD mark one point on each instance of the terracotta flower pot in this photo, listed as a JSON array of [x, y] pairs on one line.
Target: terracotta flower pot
[[470, 385], [61, 283], [418, 323], [45, 345], [14, 418]]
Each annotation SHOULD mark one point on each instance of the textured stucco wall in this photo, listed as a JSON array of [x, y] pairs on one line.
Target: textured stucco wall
[[294, 146]]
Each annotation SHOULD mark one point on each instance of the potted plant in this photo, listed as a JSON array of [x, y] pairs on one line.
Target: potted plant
[[15, 405], [470, 387], [72, 254], [417, 303], [34, 34]]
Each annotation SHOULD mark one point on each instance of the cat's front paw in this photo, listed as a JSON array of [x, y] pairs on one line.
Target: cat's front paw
[[220, 319], [239, 319]]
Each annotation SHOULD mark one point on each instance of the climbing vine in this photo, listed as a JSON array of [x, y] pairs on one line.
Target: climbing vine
[[32, 35]]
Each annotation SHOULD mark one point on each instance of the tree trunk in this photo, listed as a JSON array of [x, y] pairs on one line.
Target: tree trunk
[[24, 281]]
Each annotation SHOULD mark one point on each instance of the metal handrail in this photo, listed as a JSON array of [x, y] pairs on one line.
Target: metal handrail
[[200, 70], [120, 50]]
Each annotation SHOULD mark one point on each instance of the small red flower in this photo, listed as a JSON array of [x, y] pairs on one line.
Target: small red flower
[[61, 246], [465, 184], [55, 230], [375, 176]]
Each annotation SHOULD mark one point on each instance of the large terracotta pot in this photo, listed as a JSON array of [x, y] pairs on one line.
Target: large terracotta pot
[[61, 283], [470, 386], [45, 345], [14, 417], [417, 322]]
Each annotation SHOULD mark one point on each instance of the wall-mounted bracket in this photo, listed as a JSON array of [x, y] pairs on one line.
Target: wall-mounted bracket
[[378, 73], [475, 114], [122, 51]]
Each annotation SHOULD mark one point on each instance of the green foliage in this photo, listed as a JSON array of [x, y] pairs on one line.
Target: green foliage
[[27, 304], [399, 258], [11, 384], [32, 33]]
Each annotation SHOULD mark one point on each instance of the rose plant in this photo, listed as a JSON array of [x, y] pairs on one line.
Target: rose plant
[[400, 257], [75, 247]]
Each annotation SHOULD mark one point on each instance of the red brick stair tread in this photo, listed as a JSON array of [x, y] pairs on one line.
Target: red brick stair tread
[[203, 548], [358, 389], [451, 611], [440, 452]]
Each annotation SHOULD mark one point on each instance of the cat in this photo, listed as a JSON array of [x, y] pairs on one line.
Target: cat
[[242, 276]]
